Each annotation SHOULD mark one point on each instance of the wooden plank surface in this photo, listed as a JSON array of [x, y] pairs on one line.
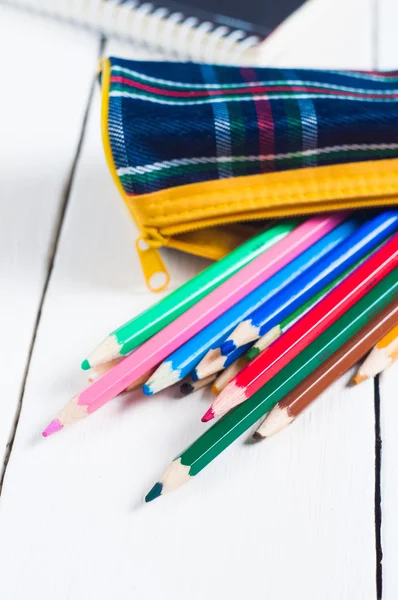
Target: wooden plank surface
[[388, 59], [47, 80], [292, 517]]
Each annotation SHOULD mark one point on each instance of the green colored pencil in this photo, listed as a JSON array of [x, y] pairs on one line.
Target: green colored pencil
[[235, 423], [266, 340], [123, 340]]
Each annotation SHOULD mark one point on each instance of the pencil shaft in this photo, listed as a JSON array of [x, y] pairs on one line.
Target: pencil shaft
[[226, 430], [389, 338], [103, 368], [145, 325]]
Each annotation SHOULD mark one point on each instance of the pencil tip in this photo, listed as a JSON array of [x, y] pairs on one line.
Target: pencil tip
[[258, 437], [228, 347], [252, 353], [186, 388], [53, 427], [155, 492], [147, 390], [215, 390], [208, 416], [85, 365], [358, 378]]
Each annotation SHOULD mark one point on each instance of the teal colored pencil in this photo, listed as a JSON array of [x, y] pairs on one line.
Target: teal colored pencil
[[126, 338]]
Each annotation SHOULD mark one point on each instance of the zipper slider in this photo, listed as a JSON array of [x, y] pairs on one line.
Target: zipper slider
[[156, 275]]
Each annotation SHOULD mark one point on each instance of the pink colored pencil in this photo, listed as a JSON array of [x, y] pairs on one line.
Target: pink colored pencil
[[156, 349]]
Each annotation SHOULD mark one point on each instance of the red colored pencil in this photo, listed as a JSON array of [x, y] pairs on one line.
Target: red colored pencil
[[306, 330]]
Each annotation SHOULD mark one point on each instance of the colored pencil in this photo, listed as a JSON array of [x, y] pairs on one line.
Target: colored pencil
[[339, 363], [166, 341], [99, 370], [182, 362], [226, 430], [189, 386], [309, 283], [126, 338], [214, 361], [381, 357], [271, 335], [306, 329], [225, 377]]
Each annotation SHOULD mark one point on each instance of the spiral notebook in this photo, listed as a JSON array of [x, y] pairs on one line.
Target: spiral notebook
[[219, 31]]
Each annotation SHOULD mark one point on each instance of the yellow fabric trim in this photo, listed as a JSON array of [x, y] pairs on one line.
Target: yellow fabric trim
[[300, 191]]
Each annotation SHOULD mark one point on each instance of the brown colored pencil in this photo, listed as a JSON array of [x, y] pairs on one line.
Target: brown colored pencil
[[341, 361], [381, 357]]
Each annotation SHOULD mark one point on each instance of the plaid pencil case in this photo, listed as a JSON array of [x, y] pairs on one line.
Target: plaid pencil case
[[200, 152]]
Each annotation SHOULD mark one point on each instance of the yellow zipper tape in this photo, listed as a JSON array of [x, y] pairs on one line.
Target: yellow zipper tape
[[281, 194]]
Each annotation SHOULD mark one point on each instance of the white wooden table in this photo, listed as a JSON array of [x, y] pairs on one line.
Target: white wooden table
[[297, 517]]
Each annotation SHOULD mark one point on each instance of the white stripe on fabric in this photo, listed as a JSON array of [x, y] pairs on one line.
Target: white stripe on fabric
[[183, 162], [222, 127], [254, 98], [309, 127]]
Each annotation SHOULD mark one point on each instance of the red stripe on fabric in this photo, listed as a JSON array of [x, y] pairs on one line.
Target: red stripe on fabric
[[265, 123], [250, 90]]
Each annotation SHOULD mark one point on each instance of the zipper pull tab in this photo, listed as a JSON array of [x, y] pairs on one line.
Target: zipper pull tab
[[156, 275]]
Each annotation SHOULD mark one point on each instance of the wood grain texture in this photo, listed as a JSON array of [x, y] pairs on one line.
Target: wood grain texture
[[72, 522], [46, 80], [388, 59]]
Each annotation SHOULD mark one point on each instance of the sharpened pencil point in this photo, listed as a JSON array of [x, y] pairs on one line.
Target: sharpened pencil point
[[186, 388], [147, 390], [258, 437], [208, 416], [53, 427], [358, 378], [85, 365], [155, 492], [252, 353], [228, 347]]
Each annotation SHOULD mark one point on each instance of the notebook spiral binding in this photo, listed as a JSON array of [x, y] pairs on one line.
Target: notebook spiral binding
[[159, 28]]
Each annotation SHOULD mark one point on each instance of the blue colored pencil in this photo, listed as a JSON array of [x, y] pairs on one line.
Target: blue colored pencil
[[271, 313], [213, 362], [182, 362]]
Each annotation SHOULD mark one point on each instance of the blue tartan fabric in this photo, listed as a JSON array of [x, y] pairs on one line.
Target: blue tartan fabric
[[172, 124]]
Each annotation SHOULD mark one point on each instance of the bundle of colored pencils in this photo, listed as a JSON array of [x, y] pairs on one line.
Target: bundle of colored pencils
[[271, 326]]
